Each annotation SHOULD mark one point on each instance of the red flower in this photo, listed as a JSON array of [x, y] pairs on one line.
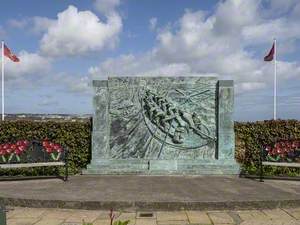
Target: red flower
[[21, 148], [278, 150], [49, 149], [56, 146], [45, 144], [18, 152]]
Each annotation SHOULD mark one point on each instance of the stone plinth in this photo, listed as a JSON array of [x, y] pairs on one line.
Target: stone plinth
[[163, 125]]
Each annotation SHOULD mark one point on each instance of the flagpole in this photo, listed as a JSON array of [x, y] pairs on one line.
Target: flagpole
[[275, 82], [2, 72]]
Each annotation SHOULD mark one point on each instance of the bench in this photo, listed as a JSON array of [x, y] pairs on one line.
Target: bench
[[285, 153], [24, 154]]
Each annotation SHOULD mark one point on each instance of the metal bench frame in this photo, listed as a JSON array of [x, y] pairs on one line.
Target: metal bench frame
[[40, 164]]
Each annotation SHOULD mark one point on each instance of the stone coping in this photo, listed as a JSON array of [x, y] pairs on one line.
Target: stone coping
[[151, 193]]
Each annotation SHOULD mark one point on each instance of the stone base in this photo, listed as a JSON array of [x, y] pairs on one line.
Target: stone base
[[163, 167]]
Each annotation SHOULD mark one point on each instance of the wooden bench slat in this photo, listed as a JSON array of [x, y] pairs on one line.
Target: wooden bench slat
[[281, 164], [19, 165]]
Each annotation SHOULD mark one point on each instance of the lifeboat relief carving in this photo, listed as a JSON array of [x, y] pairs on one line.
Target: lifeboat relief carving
[[163, 119]]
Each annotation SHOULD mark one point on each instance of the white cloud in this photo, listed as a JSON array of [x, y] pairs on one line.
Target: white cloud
[[232, 15], [41, 24], [31, 64], [15, 23], [132, 65], [250, 86], [47, 101], [215, 43], [73, 83], [283, 29], [280, 7], [152, 23], [36, 24], [79, 32], [80, 85], [106, 6]]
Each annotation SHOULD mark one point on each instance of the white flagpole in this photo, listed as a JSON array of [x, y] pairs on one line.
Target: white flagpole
[[275, 82], [2, 72]]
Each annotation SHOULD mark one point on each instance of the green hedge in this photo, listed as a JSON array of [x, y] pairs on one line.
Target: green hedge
[[77, 137], [251, 136]]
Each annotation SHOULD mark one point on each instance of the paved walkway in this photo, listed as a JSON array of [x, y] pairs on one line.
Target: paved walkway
[[42, 216], [151, 193]]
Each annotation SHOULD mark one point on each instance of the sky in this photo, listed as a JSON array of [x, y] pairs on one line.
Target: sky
[[64, 45]]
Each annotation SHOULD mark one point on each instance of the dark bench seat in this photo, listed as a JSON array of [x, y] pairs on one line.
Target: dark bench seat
[[35, 154]]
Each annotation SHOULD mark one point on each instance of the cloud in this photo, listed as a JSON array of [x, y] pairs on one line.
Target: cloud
[[36, 24], [47, 101], [81, 85], [216, 43], [106, 6], [73, 83], [79, 32], [152, 23], [283, 29], [19, 24], [30, 65], [132, 65], [280, 7], [41, 24]]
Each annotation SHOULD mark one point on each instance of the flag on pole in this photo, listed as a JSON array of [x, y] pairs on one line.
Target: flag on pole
[[273, 55], [10, 55], [5, 51], [270, 55]]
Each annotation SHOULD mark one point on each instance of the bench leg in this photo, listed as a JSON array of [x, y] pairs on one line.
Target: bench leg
[[261, 173], [66, 173], [261, 156]]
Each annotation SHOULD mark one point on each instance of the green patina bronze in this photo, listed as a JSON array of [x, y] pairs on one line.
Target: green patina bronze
[[163, 125]]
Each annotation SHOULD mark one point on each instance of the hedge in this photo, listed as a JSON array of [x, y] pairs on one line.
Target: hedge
[[76, 136], [251, 136]]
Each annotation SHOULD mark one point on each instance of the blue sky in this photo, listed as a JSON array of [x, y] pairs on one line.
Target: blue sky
[[63, 45]]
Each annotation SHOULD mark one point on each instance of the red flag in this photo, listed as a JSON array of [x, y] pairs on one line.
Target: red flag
[[10, 55], [270, 55]]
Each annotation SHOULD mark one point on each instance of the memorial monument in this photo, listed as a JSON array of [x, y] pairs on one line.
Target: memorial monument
[[163, 125]]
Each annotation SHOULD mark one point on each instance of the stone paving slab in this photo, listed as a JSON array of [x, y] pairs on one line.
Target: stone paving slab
[[151, 192], [20, 216]]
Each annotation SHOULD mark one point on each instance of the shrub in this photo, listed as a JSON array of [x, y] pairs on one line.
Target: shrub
[[251, 136]]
